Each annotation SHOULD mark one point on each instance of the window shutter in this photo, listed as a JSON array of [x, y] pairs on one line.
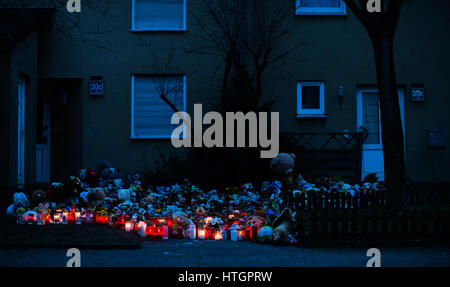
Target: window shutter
[[151, 114], [320, 3], [159, 14]]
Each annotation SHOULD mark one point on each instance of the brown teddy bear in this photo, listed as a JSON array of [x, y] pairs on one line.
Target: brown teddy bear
[[95, 196], [283, 164], [179, 220], [38, 196]]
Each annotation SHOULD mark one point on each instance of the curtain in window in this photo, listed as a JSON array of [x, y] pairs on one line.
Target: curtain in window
[[371, 117], [151, 114], [320, 3], [159, 14], [310, 97]]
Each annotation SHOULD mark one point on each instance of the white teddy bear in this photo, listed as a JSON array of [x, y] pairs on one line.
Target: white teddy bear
[[20, 199]]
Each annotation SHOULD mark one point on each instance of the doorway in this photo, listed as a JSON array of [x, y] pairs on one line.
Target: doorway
[[21, 132], [368, 116]]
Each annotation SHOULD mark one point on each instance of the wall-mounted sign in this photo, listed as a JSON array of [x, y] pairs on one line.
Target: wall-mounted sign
[[417, 93], [96, 86], [436, 138]]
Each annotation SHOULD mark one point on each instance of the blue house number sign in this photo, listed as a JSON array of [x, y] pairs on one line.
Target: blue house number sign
[[96, 87]]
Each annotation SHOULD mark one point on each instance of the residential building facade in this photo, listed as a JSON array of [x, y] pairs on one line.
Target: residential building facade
[[68, 103]]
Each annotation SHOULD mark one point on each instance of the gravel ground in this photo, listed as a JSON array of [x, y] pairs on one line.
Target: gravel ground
[[186, 253]]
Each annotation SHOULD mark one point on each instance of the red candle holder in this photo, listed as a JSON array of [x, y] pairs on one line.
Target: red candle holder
[[208, 233], [47, 218], [71, 217], [180, 232], [154, 232]]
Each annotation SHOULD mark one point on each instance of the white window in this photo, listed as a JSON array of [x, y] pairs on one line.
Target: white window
[[158, 15], [320, 7], [150, 115], [310, 99]]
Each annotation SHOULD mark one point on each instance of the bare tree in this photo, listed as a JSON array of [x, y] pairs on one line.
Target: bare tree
[[248, 36], [381, 28], [68, 24]]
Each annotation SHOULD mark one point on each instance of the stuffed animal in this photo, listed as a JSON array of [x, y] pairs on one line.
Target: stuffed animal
[[30, 217], [180, 220], [123, 194], [200, 211], [93, 197], [283, 164], [20, 200], [38, 196], [284, 226], [255, 221], [92, 178], [265, 233]]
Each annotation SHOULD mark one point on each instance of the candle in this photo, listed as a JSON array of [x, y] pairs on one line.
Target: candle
[[57, 218], [65, 217], [78, 217], [128, 226], [180, 232], [201, 233], [233, 235], [165, 232], [47, 218], [142, 228], [40, 219], [191, 231], [71, 218], [218, 235], [240, 234]]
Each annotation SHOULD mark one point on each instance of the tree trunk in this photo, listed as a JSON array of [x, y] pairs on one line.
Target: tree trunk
[[391, 124]]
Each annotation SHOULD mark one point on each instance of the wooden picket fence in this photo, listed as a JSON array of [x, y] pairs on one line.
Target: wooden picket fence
[[323, 216]]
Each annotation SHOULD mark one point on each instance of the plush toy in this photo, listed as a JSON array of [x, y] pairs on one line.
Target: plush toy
[[20, 200], [93, 197], [284, 226], [260, 213], [283, 164], [265, 233], [215, 222], [92, 178], [106, 171], [38, 196], [30, 217], [180, 220], [200, 211], [123, 194], [255, 221]]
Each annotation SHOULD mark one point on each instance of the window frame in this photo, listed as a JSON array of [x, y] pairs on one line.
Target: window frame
[[133, 21], [158, 136], [311, 112], [320, 11]]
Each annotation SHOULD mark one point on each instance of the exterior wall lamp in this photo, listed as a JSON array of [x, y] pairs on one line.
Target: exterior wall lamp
[[341, 95]]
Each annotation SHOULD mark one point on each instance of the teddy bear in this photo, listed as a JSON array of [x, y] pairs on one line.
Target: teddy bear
[[284, 226], [180, 220], [123, 194], [283, 164], [93, 197], [255, 221], [38, 196], [20, 200]]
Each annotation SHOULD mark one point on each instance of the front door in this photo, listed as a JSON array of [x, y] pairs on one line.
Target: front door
[[368, 116], [21, 102], [43, 143]]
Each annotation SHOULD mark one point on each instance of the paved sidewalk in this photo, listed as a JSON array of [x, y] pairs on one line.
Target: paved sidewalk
[[186, 253]]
